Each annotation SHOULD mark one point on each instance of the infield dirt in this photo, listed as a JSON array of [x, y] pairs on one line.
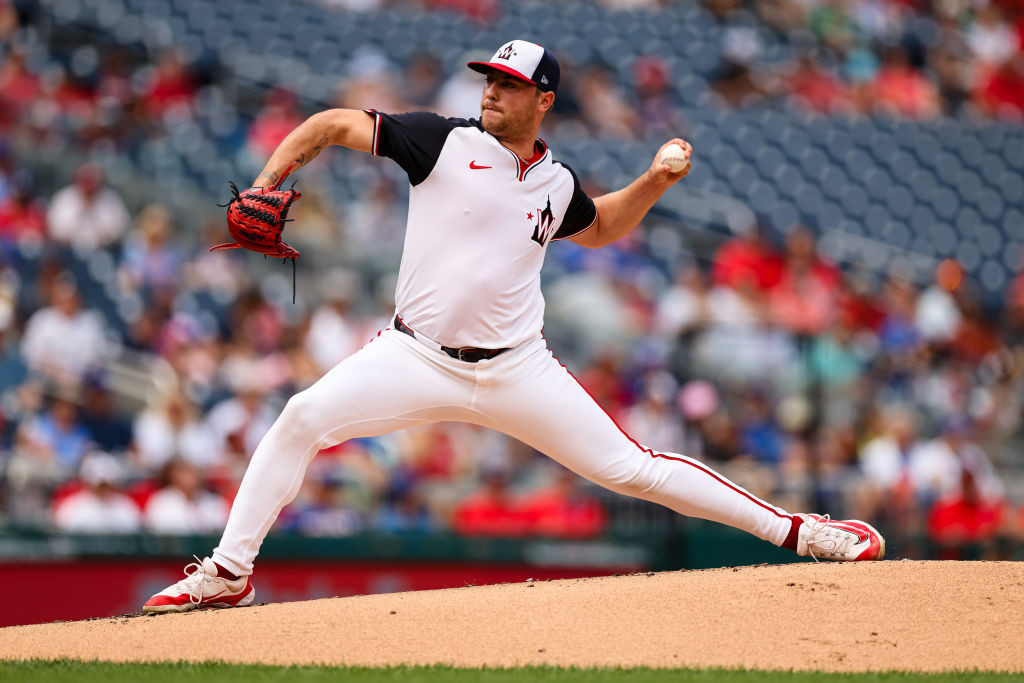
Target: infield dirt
[[902, 615]]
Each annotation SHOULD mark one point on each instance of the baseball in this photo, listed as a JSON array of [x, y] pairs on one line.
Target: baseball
[[675, 157]]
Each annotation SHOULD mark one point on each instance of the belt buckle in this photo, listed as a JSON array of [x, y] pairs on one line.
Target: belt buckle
[[467, 349]]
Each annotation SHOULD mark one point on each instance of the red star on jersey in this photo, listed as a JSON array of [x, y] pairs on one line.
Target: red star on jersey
[[529, 216]]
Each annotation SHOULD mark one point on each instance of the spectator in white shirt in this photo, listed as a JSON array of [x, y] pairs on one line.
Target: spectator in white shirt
[[936, 466], [61, 340], [332, 335], [99, 507], [86, 214], [171, 427], [183, 506]]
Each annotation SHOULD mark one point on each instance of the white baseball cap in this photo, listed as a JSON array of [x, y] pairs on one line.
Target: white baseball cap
[[525, 60]]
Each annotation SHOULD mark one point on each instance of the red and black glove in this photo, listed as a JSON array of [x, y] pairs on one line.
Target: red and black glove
[[256, 219]]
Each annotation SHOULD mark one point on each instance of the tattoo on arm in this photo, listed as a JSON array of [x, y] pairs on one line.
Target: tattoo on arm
[[266, 179], [308, 156], [270, 178]]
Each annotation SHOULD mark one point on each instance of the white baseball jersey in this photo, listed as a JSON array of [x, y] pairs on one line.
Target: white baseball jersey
[[480, 221]]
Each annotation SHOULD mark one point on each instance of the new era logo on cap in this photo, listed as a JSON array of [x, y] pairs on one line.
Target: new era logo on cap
[[524, 60]]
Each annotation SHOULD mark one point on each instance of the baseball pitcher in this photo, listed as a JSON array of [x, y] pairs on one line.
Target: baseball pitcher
[[487, 200]]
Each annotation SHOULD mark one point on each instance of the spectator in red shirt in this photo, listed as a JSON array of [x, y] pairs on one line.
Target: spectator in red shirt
[[858, 306], [1003, 93], [562, 509], [816, 88], [748, 261], [493, 510], [964, 519], [172, 85], [19, 88], [804, 300], [903, 90], [279, 116], [604, 381], [22, 214]]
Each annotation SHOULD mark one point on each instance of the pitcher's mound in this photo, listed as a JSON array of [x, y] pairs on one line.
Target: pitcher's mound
[[913, 616]]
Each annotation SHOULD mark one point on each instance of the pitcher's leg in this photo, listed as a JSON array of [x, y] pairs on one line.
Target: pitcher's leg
[[548, 409], [384, 387]]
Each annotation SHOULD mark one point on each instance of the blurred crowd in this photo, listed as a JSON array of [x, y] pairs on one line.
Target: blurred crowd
[[809, 384], [910, 58], [858, 393]]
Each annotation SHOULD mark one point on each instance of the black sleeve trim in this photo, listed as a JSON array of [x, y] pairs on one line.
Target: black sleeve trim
[[581, 215], [376, 128], [560, 235]]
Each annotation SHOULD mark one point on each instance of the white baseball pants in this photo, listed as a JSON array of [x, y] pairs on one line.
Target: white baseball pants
[[396, 381]]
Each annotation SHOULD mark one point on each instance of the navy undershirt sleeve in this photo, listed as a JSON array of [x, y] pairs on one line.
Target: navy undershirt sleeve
[[413, 140], [581, 213]]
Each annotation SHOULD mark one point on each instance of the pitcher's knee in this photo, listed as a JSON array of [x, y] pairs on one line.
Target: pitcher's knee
[[631, 477], [298, 421]]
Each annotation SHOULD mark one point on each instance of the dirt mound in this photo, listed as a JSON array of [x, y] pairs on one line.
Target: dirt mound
[[915, 616]]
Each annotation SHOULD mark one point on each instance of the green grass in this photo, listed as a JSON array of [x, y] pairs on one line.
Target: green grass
[[67, 671]]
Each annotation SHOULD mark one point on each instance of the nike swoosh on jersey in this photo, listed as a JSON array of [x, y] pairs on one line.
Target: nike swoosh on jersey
[[473, 166]]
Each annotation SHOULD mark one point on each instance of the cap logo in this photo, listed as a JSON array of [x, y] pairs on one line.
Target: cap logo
[[544, 80], [507, 52]]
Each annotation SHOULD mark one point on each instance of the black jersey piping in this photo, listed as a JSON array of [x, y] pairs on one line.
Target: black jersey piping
[[520, 174]]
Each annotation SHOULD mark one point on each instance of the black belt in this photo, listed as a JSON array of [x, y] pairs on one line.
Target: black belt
[[467, 354]]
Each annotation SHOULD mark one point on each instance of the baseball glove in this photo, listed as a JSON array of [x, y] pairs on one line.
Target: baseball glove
[[256, 219]]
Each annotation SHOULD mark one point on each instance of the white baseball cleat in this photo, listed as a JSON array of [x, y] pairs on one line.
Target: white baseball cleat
[[201, 587], [847, 540]]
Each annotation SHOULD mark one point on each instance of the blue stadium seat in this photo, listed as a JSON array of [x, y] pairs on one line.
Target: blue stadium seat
[[926, 147], [900, 201], [922, 183], [895, 233], [881, 144], [944, 238], [809, 198], [769, 160], [794, 141], [992, 168], [829, 215], [748, 141], [788, 178], [877, 182], [723, 156], [763, 197], [784, 215], [993, 276], [858, 164], [740, 177], [990, 204], [968, 254], [813, 162], [837, 143], [1013, 153], [921, 220], [876, 217], [854, 201], [969, 185], [946, 205], [833, 180]]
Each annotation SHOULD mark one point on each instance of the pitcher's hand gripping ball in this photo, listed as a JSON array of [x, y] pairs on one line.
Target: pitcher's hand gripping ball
[[676, 158]]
